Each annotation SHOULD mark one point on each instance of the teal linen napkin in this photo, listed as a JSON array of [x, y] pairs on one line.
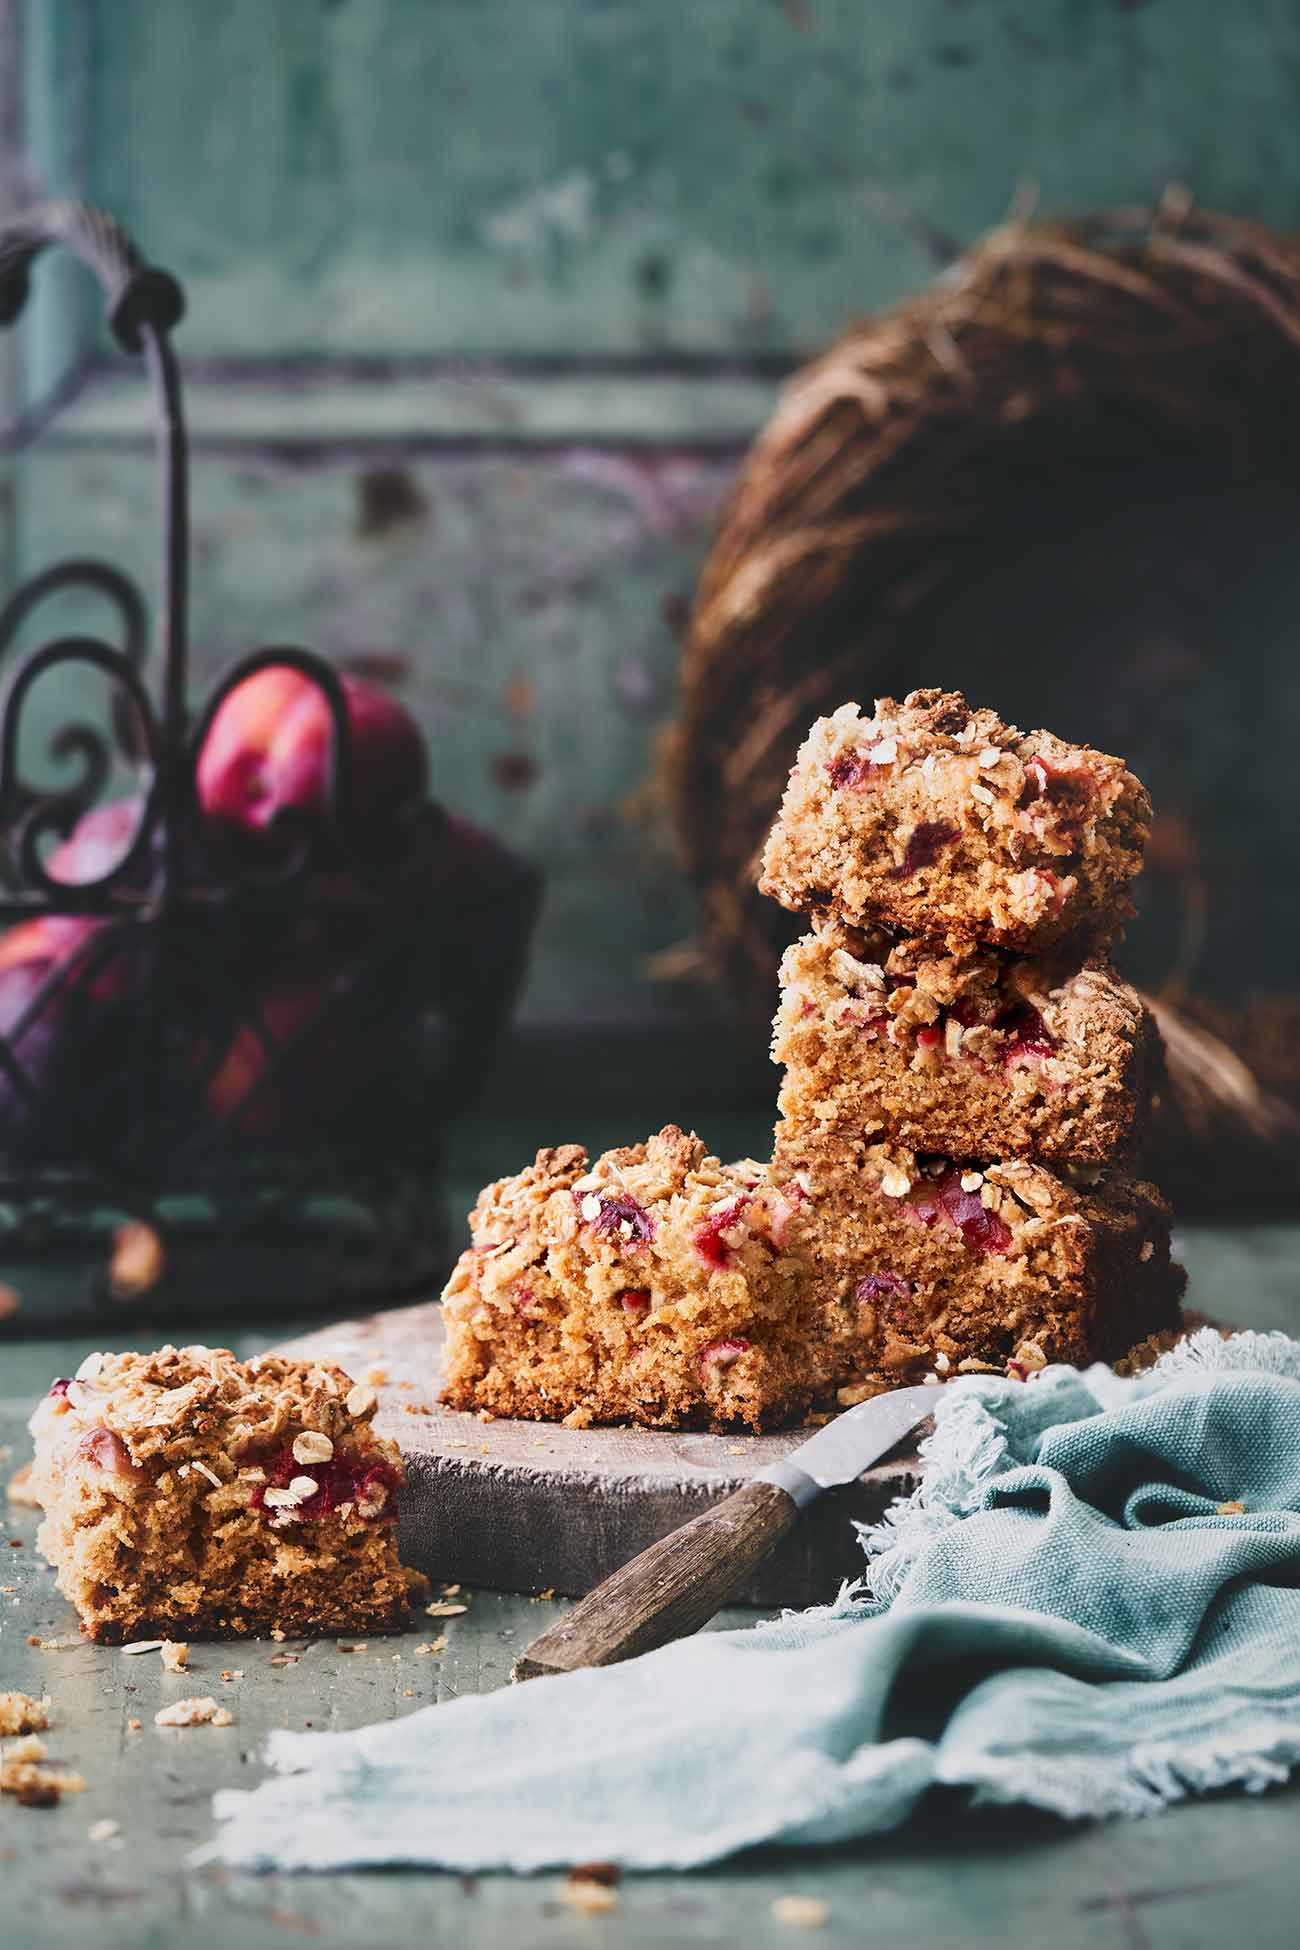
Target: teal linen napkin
[[1058, 1616]]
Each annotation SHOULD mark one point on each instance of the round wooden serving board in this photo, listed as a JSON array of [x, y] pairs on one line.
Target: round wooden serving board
[[532, 1506]]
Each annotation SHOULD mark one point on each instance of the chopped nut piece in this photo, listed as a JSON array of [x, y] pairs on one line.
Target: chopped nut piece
[[361, 1399], [193, 1713], [103, 1831], [431, 1647], [858, 1391], [801, 1912], [312, 1447], [1230, 1509], [441, 1609]]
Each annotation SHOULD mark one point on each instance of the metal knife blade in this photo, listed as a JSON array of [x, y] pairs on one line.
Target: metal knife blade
[[841, 1451]]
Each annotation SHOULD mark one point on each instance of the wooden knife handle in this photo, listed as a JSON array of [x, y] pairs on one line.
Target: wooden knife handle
[[669, 1590]]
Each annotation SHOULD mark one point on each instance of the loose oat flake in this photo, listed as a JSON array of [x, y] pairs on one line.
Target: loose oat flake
[[193, 1713]]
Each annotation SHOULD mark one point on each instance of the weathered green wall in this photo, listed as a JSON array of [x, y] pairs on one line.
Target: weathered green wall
[[547, 257], [583, 176]]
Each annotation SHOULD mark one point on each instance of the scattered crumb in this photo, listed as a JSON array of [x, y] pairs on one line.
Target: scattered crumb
[[25, 1775], [103, 1831], [737, 1448], [56, 1645], [456, 1445], [175, 1655], [193, 1713], [20, 1488], [20, 1713], [543, 1597], [802, 1912], [284, 1659], [363, 1647], [137, 1262], [278, 1635], [134, 1726], [375, 1376], [592, 1898], [431, 1647], [1231, 1509], [441, 1609], [237, 1673], [407, 1693]]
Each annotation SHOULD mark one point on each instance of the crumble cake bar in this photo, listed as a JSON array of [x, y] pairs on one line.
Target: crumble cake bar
[[653, 1285], [188, 1494], [980, 1056], [945, 823], [934, 1264]]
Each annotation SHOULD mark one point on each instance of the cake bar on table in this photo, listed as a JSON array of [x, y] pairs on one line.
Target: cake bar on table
[[653, 1285], [189, 1494], [942, 822], [980, 1055]]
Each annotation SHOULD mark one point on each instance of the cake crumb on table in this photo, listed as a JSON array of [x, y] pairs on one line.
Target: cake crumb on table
[[801, 1912], [19, 1489], [194, 1712], [175, 1655], [590, 1889], [31, 1779], [20, 1713]]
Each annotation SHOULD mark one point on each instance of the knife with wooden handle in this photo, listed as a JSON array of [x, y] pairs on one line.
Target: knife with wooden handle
[[674, 1587]]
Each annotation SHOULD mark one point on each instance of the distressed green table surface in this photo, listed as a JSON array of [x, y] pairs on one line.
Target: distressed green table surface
[[1207, 1873]]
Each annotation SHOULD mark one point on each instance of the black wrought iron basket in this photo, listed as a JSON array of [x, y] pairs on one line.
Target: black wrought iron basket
[[223, 1074]]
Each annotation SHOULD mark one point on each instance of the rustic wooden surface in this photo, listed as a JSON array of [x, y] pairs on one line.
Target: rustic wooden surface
[[529, 1506], [1214, 1871]]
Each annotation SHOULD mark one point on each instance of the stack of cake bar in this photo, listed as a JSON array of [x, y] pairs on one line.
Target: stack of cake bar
[[965, 1083], [966, 1079]]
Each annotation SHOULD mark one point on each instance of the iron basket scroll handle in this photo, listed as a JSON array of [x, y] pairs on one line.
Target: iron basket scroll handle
[[143, 304]]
